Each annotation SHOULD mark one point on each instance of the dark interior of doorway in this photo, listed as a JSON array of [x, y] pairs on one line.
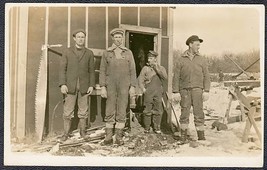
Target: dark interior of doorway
[[140, 44]]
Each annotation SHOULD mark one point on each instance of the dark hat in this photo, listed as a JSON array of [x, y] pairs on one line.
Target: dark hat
[[117, 30], [193, 38], [77, 31], [154, 53]]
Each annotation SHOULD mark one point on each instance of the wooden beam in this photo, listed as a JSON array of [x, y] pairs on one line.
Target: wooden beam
[[86, 26], [107, 27], [119, 15], [69, 18], [22, 60], [138, 16], [170, 63], [160, 17], [46, 24]]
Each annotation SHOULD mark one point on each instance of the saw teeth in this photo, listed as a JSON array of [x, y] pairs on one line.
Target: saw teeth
[[40, 96]]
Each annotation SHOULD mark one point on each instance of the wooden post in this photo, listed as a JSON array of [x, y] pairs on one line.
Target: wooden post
[[22, 63], [227, 113]]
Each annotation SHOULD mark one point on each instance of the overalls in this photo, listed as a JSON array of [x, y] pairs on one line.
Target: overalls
[[118, 84], [153, 103]]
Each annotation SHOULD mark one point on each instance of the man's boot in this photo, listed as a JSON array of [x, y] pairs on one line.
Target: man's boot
[[82, 127], [119, 135], [201, 135], [108, 139], [183, 139], [156, 123], [67, 124], [147, 123]]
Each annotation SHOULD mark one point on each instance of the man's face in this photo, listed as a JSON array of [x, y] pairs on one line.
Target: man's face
[[151, 60], [117, 39], [195, 45], [79, 38]]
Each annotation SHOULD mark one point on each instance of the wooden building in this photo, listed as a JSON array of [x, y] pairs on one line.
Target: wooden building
[[30, 27]]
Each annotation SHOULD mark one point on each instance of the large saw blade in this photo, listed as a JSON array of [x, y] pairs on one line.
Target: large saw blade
[[41, 95]]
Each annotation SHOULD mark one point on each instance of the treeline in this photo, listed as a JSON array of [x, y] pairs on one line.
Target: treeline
[[223, 62]]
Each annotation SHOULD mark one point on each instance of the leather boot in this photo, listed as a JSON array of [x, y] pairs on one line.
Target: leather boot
[[183, 139], [119, 135], [108, 139], [156, 123], [201, 135], [82, 127], [67, 124], [147, 123]]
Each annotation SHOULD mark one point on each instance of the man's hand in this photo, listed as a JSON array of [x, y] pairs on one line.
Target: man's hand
[[205, 96], [144, 90], [104, 93], [90, 90], [176, 97], [64, 89], [132, 91]]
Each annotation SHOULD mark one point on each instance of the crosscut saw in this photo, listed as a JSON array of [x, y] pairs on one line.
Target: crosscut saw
[[41, 92]]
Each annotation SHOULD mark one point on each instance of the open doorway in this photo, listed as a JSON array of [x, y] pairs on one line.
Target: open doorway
[[140, 44]]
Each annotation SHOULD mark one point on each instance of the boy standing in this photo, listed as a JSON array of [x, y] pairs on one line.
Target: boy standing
[[150, 81]]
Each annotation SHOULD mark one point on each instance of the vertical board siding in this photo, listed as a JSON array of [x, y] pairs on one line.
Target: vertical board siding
[[57, 31], [36, 28], [149, 17], [164, 21], [77, 20], [97, 27], [12, 66], [113, 20], [165, 56], [129, 15]]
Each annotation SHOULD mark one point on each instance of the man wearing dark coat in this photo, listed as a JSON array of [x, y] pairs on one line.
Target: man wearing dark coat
[[76, 81]]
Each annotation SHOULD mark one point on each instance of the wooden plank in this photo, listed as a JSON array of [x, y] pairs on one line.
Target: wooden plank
[[22, 60], [170, 62], [246, 131], [254, 83]]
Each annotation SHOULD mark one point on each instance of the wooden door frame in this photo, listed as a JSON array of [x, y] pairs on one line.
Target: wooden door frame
[[145, 30]]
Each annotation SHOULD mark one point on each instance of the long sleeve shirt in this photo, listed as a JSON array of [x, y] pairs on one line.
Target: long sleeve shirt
[[191, 72], [147, 74]]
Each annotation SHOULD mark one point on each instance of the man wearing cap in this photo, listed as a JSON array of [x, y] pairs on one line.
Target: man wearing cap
[[191, 84], [76, 80], [150, 82], [117, 80]]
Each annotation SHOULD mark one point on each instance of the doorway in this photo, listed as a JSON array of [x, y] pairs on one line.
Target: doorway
[[140, 44]]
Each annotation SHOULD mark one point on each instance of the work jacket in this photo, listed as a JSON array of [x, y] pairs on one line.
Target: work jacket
[[147, 73], [74, 66], [191, 72]]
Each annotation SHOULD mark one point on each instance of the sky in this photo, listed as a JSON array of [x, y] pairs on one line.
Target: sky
[[223, 29]]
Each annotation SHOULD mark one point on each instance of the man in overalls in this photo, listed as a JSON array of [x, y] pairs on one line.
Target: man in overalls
[[117, 81], [150, 82]]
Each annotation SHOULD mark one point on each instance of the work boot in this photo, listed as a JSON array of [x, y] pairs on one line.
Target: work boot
[[119, 135], [183, 139], [67, 124], [108, 139], [156, 123], [147, 123], [200, 135], [82, 128]]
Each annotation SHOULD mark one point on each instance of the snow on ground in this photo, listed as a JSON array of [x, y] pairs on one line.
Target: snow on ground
[[218, 143]]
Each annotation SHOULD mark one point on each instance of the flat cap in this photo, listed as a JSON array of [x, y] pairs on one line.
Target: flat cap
[[77, 31], [117, 31], [154, 53], [193, 38]]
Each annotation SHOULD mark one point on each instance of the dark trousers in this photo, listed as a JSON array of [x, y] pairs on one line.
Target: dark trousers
[[153, 104], [192, 97]]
